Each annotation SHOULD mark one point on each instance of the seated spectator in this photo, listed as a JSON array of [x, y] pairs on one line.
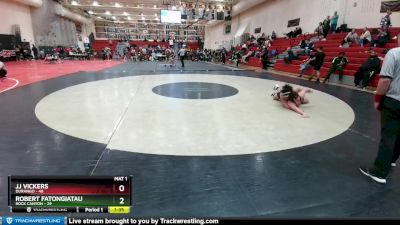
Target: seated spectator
[[319, 29], [273, 35], [303, 46], [246, 57], [382, 39], [338, 64], [350, 38], [290, 34], [244, 47], [309, 47], [268, 42], [3, 70], [261, 39], [368, 70], [291, 56], [298, 32], [365, 37], [252, 38], [306, 65]]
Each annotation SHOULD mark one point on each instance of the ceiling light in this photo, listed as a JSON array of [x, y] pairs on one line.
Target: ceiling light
[[90, 12], [125, 13], [113, 17], [99, 17], [173, 7], [108, 13], [143, 18], [74, 3], [155, 14], [155, 6], [117, 5], [129, 18], [95, 3]]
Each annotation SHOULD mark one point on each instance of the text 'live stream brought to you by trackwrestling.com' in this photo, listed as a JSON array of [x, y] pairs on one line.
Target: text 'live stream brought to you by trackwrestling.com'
[[57, 220]]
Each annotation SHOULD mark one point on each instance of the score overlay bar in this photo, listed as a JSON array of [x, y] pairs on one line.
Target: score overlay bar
[[67, 194]]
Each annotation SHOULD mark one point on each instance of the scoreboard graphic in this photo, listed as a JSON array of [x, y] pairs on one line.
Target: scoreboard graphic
[[30, 194]]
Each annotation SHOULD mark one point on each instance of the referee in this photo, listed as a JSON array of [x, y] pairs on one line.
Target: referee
[[387, 101], [182, 53]]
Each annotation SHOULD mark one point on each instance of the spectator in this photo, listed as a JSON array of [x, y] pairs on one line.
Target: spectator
[[309, 47], [320, 29], [182, 53], [223, 56], [35, 52], [244, 47], [247, 56], [291, 56], [365, 37], [261, 39], [368, 70], [326, 26], [303, 46], [350, 38], [3, 70], [306, 65], [334, 22], [268, 42], [382, 39], [273, 35], [264, 57], [387, 101], [236, 58], [18, 53], [317, 63], [338, 64], [385, 21]]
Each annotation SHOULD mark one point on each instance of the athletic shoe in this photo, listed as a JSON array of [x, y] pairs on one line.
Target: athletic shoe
[[367, 173], [394, 165]]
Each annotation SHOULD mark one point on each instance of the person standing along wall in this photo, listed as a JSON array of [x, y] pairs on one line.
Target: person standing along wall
[[387, 101], [326, 26], [334, 22], [386, 21], [35, 52]]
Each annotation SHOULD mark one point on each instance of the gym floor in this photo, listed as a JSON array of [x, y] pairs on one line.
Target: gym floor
[[203, 141]]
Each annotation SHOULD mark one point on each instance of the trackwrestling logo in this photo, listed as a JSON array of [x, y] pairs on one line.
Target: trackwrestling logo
[[20, 220]]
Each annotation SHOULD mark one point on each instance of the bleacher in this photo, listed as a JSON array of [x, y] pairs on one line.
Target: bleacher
[[99, 45], [279, 45], [355, 54]]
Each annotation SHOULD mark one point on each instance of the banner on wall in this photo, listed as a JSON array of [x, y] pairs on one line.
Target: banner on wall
[[293, 23], [394, 6]]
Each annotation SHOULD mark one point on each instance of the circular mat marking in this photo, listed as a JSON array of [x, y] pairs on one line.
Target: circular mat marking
[[125, 114], [195, 90]]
